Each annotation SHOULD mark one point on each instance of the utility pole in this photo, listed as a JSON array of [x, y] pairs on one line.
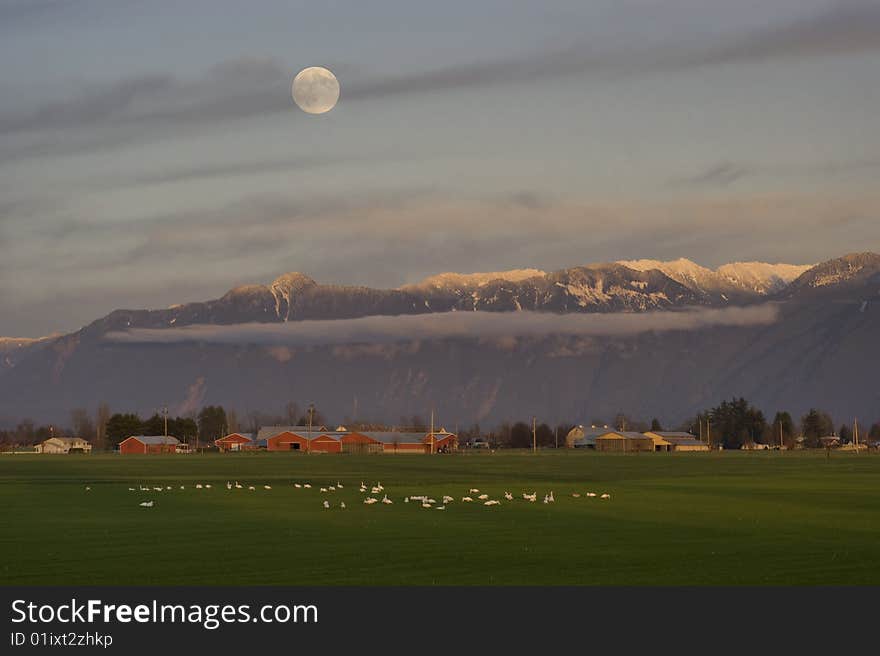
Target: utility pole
[[165, 415], [856, 434], [708, 433], [534, 434], [311, 416]]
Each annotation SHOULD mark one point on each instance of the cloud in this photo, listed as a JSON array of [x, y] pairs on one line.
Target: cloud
[[209, 171], [253, 87], [724, 174], [718, 175], [388, 329], [846, 28]]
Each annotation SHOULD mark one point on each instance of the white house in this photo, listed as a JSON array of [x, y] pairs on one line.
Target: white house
[[64, 445]]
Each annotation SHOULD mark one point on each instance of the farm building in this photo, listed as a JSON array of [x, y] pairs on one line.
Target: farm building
[[321, 440], [234, 441], [624, 441], [64, 445], [679, 441], [288, 438], [399, 442], [327, 442], [354, 442], [148, 444], [581, 437], [288, 441]]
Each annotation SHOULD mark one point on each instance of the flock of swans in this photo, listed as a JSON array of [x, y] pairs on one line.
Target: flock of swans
[[372, 492]]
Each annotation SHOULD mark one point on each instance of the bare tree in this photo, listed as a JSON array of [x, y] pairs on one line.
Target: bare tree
[[102, 416], [232, 421], [82, 424], [292, 410]]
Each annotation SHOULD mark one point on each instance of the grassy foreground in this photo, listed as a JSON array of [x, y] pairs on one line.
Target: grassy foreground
[[673, 519]]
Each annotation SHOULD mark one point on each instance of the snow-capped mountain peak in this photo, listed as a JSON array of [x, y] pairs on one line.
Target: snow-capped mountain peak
[[737, 277], [682, 270], [761, 277], [473, 280]]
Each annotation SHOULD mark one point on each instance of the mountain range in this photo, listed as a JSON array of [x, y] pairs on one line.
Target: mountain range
[[821, 349]]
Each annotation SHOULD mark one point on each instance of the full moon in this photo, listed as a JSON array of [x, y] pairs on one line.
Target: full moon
[[315, 90]]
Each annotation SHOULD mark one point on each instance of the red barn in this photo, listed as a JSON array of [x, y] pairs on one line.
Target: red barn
[[326, 443], [354, 442], [443, 442], [397, 442], [287, 441], [235, 441], [148, 444]]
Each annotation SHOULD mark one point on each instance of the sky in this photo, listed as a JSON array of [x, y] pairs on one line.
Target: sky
[[151, 154]]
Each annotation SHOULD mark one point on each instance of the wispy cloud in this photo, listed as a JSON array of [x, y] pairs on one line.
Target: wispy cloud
[[449, 325], [725, 174], [251, 87], [210, 171], [718, 175]]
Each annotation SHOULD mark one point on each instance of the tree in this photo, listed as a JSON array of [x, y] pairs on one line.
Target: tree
[[816, 424], [521, 436], [212, 423], [735, 423], [183, 428], [874, 433], [561, 431], [845, 433], [155, 425], [101, 417], [232, 421], [783, 419], [24, 432], [655, 425], [544, 435], [292, 412], [121, 426], [82, 424], [317, 417]]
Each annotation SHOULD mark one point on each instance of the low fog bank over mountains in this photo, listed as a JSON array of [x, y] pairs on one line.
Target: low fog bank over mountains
[[784, 336]]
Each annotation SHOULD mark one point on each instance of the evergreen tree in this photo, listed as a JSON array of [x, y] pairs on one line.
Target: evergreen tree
[[784, 420], [212, 423], [521, 435], [816, 424], [121, 426], [735, 423]]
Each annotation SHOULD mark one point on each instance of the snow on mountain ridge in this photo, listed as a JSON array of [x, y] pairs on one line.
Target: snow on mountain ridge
[[758, 277], [452, 279], [682, 270], [762, 277]]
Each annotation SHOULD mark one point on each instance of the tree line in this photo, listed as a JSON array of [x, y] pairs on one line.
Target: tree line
[[731, 424]]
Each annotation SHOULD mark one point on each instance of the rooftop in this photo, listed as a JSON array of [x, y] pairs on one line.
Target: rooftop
[[155, 439]]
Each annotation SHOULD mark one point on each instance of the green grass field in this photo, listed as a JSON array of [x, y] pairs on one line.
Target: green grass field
[[673, 519]]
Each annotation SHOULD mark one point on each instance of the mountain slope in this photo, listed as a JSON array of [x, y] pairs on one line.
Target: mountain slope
[[734, 281], [761, 277], [854, 276], [822, 351]]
